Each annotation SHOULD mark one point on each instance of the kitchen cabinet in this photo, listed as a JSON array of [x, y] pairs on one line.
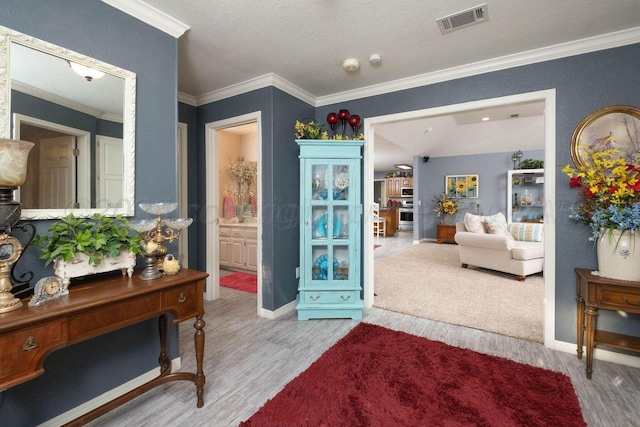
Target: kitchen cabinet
[[390, 216], [330, 229], [239, 247], [395, 184], [525, 195]]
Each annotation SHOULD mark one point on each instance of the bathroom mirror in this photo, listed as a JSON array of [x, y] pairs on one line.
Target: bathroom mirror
[[83, 126]]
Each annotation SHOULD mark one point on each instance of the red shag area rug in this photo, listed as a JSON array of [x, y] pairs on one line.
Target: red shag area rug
[[375, 376], [241, 282]]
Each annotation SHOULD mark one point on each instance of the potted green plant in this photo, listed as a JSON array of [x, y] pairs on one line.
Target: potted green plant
[[78, 246]]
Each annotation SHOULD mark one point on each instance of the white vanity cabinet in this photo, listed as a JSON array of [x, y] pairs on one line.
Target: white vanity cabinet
[[239, 247]]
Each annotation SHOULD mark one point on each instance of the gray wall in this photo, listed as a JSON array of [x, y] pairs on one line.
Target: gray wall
[[280, 186], [492, 175], [583, 83], [81, 372]]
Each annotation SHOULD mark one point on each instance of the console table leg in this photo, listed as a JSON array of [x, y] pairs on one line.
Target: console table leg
[[580, 321], [199, 344], [592, 312], [163, 359]]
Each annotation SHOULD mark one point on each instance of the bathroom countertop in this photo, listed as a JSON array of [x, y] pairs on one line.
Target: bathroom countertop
[[239, 224]]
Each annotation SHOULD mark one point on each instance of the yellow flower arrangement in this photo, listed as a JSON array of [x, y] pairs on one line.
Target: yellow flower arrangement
[[610, 191], [311, 130], [445, 205]]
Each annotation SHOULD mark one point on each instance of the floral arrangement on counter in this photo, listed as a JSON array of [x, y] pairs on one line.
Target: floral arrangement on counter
[[243, 171], [445, 205], [610, 192]]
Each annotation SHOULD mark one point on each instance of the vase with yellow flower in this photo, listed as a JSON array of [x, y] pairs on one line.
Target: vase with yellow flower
[[609, 189], [446, 208]]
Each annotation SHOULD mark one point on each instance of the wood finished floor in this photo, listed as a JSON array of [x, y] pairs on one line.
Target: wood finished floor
[[249, 359]]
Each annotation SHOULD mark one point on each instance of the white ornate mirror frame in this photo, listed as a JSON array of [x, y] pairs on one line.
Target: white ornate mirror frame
[[8, 36]]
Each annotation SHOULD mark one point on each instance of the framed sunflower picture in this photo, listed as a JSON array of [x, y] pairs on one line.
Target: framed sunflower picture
[[462, 186]]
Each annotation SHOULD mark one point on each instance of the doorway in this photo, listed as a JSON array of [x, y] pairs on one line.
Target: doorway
[[72, 173], [548, 97], [214, 137]]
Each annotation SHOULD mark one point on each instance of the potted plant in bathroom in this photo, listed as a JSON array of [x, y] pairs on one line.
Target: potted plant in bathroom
[[83, 246]]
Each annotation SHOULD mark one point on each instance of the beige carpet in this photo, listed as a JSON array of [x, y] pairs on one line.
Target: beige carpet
[[427, 281]]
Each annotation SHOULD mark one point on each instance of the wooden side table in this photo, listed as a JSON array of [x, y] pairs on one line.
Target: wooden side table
[[446, 233], [594, 293]]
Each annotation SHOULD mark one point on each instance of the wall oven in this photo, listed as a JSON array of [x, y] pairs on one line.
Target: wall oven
[[405, 212], [406, 192]]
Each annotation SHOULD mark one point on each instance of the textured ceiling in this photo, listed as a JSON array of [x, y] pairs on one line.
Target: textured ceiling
[[230, 43], [305, 42]]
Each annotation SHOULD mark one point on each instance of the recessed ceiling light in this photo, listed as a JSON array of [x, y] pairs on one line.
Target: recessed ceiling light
[[403, 166], [485, 119]]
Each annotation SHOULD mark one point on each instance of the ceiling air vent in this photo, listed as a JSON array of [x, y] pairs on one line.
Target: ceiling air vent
[[475, 15]]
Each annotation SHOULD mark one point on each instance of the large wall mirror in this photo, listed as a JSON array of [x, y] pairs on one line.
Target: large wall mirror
[[80, 112]]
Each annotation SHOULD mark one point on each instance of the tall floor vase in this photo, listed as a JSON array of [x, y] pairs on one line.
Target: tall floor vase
[[619, 255]]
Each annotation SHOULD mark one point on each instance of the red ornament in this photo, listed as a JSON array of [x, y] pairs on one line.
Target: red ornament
[[332, 119], [354, 122], [343, 115]]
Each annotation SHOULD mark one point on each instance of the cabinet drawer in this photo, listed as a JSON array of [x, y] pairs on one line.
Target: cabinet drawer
[[620, 298], [224, 232], [22, 352], [183, 300], [251, 233], [330, 297], [94, 322]]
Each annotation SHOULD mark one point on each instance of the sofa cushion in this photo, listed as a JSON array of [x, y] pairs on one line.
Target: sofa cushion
[[526, 232], [474, 223], [497, 224], [527, 250]]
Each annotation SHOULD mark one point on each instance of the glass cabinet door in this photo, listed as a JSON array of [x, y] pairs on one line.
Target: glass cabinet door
[[331, 212]]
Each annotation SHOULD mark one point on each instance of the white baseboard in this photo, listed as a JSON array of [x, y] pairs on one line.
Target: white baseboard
[[89, 406], [285, 309]]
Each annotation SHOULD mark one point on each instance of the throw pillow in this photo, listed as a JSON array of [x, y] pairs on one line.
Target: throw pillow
[[526, 232], [474, 223], [497, 217], [497, 224]]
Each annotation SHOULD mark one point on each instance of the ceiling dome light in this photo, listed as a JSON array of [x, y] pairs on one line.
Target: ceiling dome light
[[86, 72], [351, 64], [375, 59]]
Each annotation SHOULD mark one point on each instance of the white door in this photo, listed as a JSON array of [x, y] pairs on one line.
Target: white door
[[57, 173], [109, 173]]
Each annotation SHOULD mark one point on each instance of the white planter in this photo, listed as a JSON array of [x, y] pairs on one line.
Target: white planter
[[619, 255], [79, 266]]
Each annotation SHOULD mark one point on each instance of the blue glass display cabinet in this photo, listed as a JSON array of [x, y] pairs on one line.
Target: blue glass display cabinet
[[330, 229]]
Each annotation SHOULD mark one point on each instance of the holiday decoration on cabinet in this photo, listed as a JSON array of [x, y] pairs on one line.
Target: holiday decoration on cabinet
[[330, 229], [525, 195]]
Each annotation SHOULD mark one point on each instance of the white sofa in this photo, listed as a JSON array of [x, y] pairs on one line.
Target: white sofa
[[502, 252]]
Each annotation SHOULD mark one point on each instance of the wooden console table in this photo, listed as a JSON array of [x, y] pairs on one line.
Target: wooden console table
[[595, 292], [95, 307], [446, 233]]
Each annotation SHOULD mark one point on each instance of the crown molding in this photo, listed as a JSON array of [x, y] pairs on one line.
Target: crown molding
[[50, 97], [187, 99], [150, 15], [578, 47], [254, 84]]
